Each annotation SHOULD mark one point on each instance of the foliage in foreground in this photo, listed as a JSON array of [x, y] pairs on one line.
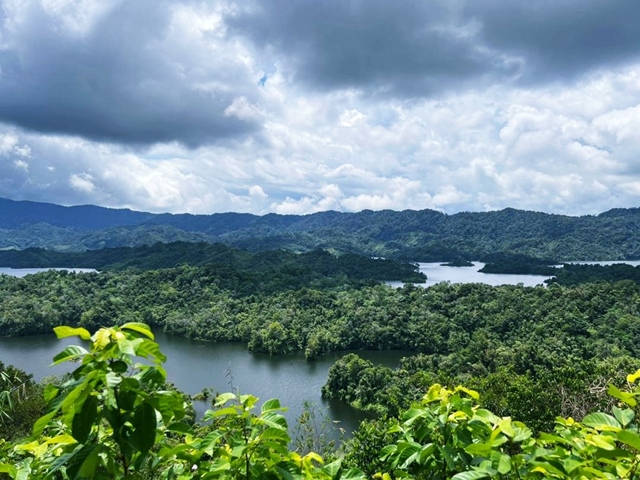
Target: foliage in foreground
[[115, 418]]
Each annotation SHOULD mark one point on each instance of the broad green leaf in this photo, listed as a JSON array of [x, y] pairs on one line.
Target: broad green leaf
[[42, 422], [10, 469], [601, 441], [434, 393], [479, 449], [624, 416], [144, 427], [278, 434], [486, 415], [224, 398], [626, 397], [126, 346], [601, 421], [472, 393], [629, 438], [506, 427], [210, 441], [101, 338], [151, 375], [470, 475], [273, 419], [504, 463], [85, 460], [119, 366], [69, 353], [141, 328], [214, 468], [632, 377], [83, 420], [180, 427], [210, 414], [64, 332], [150, 349], [272, 404], [412, 415], [88, 468], [353, 474], [50, 392]]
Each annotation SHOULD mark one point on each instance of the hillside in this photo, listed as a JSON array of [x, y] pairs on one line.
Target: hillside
[[416, 235]]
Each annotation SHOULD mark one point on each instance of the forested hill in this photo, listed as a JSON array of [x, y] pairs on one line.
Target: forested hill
[[417, 235]]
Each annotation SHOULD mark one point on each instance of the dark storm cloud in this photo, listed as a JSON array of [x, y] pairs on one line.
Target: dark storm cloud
[[423, 48], [381, 46], [562, 38], [118, 82]]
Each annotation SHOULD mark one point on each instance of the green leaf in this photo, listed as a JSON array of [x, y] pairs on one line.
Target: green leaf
[[140, 328], [632, 377], [42, 422], [148, 348], [224, 398], [84, 419], [472, 393], [626, 397], [479, 449], [353, 474], [64, 332], [69, 353], [470, 475], [273, 404], [144, 427], [629, 438], [332, 468], [276, 434], [11, 470], [624, 416], [83, 462], [180, 427], [601, 421], [504, 463], [273, 419]]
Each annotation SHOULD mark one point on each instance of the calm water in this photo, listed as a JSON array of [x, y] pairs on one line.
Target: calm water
[[193, 365], [21, 272], [436, 273]]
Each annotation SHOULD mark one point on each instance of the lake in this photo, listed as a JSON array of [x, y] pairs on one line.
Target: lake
[[193, 365], [437, 273], [21, 272]]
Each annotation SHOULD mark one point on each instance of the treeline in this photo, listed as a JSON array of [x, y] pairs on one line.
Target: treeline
[[303, 268], [576, 274], [467, 328], [116, 417], [424, 235]]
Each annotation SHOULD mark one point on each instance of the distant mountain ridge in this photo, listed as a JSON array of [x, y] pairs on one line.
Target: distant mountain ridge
[[418, 235]]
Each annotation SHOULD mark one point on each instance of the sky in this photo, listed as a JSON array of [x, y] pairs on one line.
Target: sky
[[296, 107]]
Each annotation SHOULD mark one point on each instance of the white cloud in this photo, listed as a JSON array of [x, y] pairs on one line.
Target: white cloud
[[568, 146], [21, 164], [82, 182]]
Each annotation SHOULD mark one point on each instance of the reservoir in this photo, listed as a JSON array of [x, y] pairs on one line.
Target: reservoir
[[193, 365]]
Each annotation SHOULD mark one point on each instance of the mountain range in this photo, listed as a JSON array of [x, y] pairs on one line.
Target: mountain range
[[417, 235]]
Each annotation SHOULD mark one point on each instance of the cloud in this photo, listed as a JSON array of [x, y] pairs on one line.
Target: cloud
[[418, 49], [125, 72], [297, 107]]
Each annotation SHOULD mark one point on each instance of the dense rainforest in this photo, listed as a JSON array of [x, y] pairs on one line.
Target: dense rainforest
[[114, 417], [257, 270], [423, 235], [559, 358]]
